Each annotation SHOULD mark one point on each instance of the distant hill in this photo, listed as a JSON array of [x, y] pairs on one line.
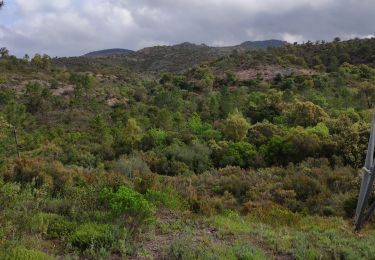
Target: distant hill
[[107, 53], [175, 58], [182, 56], [263, 44]]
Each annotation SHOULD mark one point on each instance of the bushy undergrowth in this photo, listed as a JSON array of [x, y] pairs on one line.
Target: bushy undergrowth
[[307, 238], [186, 248], [129, 205], [257, 153], [92, 235], [19, 253]]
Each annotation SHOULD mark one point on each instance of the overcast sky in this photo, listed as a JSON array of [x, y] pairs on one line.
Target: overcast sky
[[74, 27]]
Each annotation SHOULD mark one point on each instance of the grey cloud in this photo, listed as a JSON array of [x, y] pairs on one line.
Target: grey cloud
[[68, 27]]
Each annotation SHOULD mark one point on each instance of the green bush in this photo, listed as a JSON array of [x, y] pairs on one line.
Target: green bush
[[276, 215], [21, 253], [131, 166], [181, 249], [240, 154], [41, 221], [126, 202], [166, 198], [196, 156], [244, 251], [58, 228], [92, 235]]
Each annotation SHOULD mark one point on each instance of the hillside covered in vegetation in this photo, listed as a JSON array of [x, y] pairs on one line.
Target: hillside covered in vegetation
[[255, 154], [158, 59]]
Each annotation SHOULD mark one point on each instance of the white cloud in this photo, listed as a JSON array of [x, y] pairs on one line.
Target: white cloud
[[292, 38], [72, 27], [29, 6]]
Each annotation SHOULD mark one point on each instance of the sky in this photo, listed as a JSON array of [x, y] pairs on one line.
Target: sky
[[75, 27]]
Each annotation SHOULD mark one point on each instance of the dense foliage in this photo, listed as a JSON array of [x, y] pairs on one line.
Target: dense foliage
[[100, 160]]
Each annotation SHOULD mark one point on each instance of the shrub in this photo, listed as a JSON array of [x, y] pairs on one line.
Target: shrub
[[126, 202], [166, 198], [202, 129], [131, 166], [244, 251], [308, 114], [19, 253], [181, 249], [41, 221], [235, 127], [240, 154], [196, 156], [231, 223], [59, 228], [276, 215], [154, 138], [262, 132], [92, 235], [42, 173]]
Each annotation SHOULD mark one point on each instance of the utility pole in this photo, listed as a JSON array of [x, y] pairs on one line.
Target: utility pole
[[363, 212]]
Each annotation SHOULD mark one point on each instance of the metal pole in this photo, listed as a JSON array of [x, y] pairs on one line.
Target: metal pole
[[368, 178]]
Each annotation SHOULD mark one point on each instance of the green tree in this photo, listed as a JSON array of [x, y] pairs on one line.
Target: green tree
[[4, 52], [201, 78], [196, 156], [132, 133], [235, 127], [37, 98], [41, 62], [154, 137], [308, 114], [240, 154], [367, 93]]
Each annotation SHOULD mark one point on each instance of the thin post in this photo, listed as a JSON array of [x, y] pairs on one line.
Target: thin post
[[368, 178]]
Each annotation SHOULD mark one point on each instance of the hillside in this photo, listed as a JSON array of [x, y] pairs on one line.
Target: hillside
[[187, 152], [263, 44], [107, 53], [157, 59]]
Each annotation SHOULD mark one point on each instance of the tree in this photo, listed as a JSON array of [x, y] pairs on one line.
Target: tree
[[235, 127], [367, 92], [1, 4], [41, 62], [241, 154], [200, 128], [132, 133], [308, 114], [4, 128], [37, 98], [196, 156], [201, 78], [154, 137], [4, 52], [262, 132]]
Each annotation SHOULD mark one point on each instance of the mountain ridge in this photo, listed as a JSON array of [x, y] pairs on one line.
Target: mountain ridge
[[107, 53], [167, 58], [114, 52]]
